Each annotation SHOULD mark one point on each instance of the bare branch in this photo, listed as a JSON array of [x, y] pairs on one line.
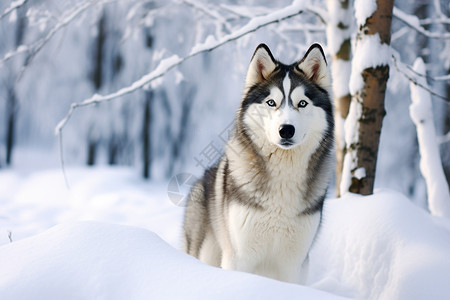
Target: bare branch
[[174, 61], [13, 6], [414, 22], [414, 77]]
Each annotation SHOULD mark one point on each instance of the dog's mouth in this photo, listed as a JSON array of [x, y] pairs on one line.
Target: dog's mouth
[[286, 143]]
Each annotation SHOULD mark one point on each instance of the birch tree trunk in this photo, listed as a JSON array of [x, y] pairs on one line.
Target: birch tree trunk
[[339, 30], [370, 72]]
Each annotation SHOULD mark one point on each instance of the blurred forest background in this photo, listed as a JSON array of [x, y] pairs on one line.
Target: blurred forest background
[[54, 53]]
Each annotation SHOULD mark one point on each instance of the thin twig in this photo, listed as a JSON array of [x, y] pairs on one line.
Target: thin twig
[[415, 81]]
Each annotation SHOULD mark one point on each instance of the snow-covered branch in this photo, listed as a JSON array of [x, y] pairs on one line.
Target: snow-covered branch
[[429, 21], [211, 13], [18, 51], [65, 20], [415, 78], [414, 22], [13, 6], [168, 64], [33, 50], [430, 163]]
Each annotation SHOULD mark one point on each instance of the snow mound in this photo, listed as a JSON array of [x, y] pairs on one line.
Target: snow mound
[[101, 261], [381, 247]]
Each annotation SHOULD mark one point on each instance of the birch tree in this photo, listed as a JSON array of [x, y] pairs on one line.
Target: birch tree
[[339, 31], [370, 72]]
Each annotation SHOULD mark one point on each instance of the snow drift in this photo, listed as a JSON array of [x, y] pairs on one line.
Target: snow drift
[[375, 247], [93, 260], [381, 247]]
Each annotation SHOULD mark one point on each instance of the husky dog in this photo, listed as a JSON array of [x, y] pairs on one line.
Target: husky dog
[[259, 208]]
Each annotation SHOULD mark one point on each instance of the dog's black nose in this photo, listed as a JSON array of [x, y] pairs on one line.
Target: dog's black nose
[[287, 131]]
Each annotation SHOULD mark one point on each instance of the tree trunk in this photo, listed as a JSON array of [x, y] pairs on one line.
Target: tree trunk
[[113, 150], [367, 107], [339, 32], [92, 150], [12, 101], [10, 124], [146, 136]]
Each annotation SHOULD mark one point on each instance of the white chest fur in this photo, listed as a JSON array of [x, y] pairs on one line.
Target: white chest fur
[[269, 242]]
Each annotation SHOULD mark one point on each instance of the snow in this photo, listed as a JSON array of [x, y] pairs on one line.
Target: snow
[[338, 16], [381, 247], [421, 113], [105, 261], [369, 53], [364, 9], [341, 71], [126, 245], [360, 173], [410, 19], [351, 129], [31, 202]]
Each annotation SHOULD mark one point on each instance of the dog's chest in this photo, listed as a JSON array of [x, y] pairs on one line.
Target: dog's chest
[[272, 230]]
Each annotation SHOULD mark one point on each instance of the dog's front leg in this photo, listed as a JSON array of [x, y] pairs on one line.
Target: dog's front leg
[[231, 260]]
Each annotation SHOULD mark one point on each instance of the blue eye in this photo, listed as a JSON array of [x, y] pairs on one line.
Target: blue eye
[[271, 103], [302, 103]]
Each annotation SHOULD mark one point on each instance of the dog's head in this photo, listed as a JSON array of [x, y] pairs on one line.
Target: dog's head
[[286, 103]]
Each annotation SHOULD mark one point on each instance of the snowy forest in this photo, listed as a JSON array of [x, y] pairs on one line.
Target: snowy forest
[[142, 90], [55, 53]]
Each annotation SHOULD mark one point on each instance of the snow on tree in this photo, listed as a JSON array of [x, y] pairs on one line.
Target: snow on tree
[[339, 31], [370, 72], [430, 163]]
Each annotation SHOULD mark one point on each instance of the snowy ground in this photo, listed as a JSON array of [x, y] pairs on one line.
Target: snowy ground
[[377, 247]]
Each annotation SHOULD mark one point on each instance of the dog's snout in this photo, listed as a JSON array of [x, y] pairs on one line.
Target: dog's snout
[[287, 131]]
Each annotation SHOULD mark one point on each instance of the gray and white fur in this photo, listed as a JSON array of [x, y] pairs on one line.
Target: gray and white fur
[[259, 208]]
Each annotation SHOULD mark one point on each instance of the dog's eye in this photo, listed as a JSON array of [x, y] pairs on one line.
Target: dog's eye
[[302, 103], [271, 103]]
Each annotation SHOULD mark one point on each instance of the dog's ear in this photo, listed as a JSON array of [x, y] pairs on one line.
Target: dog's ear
[[314, 66], [261, 65]]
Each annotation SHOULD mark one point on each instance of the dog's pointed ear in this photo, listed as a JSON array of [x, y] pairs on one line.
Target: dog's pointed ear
[[314, 66], [261, 65]]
